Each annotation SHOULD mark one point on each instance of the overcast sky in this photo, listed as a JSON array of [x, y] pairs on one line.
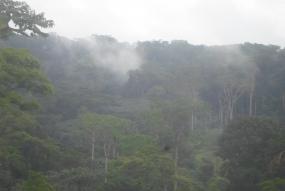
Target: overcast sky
[[197, 21]]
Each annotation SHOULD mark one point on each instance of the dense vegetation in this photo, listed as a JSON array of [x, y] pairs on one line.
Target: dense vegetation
[[98, 114]]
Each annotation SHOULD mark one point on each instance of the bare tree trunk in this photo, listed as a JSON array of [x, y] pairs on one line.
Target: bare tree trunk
[[283, 102], [192, 121], [79, 186], [221, 112], [93, 146], [195, 121], [176, 156], [255, 107], [251, 93], [250, 103], [106, 162], [165, 187], [114, 152], [222, 117], [210, 120], [231, 94], [230, 109], [106, 169]]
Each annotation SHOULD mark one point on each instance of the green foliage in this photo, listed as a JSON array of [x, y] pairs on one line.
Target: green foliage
[[187, 183], [148, 169], [218, 184], [24, 18], [74, 179], [108, 129], [246, 145], [277, 184], [22, 146], [175, 101], [36, 182], [20, 71], [130, 144], [21, 78], [104, 122]]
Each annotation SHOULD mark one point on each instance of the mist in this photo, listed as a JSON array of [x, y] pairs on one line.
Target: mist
[[119, 57], [142, 95], [200, 22]]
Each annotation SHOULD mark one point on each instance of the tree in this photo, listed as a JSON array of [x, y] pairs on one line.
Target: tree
[[75, 179], [25, 21], [277, 184], [234, 82], [247, 147], [23, 147], [20, 72], [148, 169], [36, 182], [106, 131], [177, 114], [20, 78]]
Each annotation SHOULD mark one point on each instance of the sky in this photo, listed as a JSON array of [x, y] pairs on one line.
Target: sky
[[211, 22]]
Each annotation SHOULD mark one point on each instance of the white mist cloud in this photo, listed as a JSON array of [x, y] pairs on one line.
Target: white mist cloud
[[111, 54]]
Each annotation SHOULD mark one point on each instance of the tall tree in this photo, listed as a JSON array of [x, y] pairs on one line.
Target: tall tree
[[249, 146], [106, 131], [17, 17]]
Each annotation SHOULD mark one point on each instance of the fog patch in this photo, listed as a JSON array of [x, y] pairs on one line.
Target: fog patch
[[107, 52]]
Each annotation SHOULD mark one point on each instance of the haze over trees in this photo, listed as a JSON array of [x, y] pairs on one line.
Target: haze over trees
[[99, 114]]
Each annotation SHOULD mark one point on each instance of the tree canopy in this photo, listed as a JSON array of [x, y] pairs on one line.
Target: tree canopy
[[100, 114], [16, 17]]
